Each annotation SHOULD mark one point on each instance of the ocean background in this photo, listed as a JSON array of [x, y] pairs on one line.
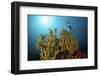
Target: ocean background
[[40, 24]]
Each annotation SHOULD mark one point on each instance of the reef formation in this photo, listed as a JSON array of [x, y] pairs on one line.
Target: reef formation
[[64, 47]]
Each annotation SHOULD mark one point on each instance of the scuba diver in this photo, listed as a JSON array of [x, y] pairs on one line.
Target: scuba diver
[[70, 28]]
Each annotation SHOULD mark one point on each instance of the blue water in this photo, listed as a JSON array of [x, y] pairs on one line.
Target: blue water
[[38, 24]]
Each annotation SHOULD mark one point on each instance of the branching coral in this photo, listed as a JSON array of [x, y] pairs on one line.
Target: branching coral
[[51, 46], [68, 42]]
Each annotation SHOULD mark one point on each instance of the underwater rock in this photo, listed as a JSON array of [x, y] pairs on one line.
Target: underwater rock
[[67, 55], [79, 54]]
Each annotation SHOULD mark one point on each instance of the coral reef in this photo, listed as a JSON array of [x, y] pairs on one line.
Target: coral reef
[[64, 47]]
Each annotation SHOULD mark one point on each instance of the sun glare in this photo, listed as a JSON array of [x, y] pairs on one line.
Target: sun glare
[[45, 19]]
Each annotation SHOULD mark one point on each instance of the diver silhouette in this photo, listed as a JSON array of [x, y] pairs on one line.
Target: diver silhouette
[[69, 28]]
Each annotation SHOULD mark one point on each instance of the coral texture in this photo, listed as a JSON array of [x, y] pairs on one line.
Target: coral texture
[[64, 47]]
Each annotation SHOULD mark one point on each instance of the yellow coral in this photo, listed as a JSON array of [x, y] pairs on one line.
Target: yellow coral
[[51, 46]]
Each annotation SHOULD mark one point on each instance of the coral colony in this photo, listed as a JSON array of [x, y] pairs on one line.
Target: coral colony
[[65, 46]]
